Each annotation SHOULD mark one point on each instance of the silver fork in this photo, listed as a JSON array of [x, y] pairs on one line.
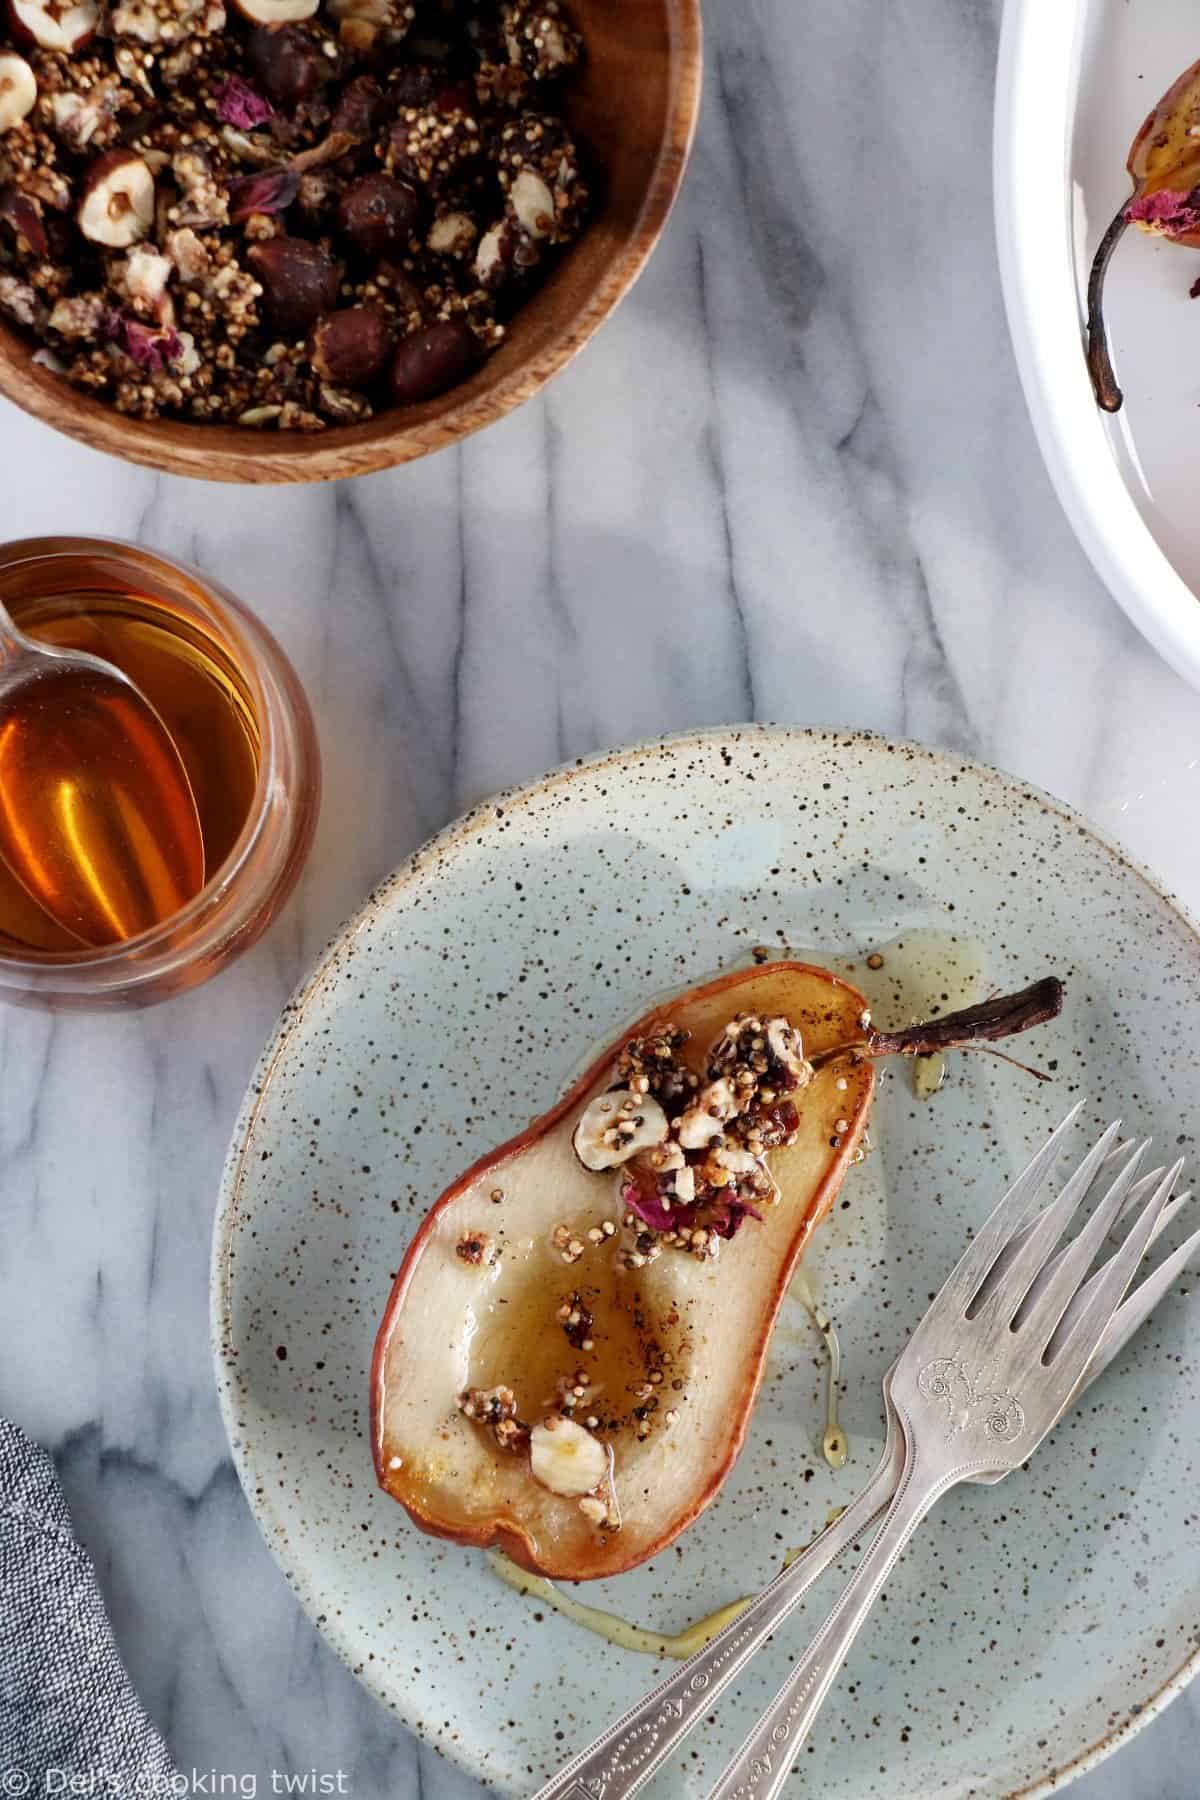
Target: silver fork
[[988, 1372], [627, 1754]]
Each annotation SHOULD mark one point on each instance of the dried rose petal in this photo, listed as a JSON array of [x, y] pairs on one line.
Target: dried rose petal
[[240, 104], [725, 1213], [649, 1206], [727, 1216], [151, 347], [271, 192], [1169, 210]]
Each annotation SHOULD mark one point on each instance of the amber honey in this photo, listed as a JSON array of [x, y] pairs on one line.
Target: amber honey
[[203, 698]]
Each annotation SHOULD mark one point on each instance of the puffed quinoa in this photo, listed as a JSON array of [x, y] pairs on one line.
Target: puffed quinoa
[[495, 1408], [694, 1188], [179, 136], [472, 1247]]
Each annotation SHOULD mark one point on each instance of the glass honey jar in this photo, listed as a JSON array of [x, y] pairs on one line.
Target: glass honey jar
[[234, 707]]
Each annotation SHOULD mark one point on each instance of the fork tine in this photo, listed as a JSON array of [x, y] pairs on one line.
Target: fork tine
[[1139, 1192], [1136, 1309], [1133, 1202], [1082, 1338], [1135, 1197], [1006, 1295], [1006, 1219], [1046, 1301], [1019, 1239], [1169, 1214]]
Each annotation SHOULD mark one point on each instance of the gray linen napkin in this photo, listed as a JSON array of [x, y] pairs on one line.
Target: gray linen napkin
[[66, 1706]]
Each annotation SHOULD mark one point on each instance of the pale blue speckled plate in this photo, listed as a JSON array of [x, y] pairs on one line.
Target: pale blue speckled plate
[[1033, 1625]]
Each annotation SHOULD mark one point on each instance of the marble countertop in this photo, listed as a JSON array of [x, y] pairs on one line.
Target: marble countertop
[[794, 480]]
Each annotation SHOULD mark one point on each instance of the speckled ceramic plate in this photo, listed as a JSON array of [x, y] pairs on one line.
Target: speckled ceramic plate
[[1032, 1625]]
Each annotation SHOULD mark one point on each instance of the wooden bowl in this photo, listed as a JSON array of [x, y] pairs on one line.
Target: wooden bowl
[[634, 104]]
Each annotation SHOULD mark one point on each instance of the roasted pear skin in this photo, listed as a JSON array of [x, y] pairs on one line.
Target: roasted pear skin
[[485, 1296], [1164, 166]]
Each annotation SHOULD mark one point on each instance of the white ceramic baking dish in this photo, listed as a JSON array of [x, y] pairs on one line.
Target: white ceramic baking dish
[[1075, 80]]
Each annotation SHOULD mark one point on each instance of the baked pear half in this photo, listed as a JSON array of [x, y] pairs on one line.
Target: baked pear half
[[572, 1347]]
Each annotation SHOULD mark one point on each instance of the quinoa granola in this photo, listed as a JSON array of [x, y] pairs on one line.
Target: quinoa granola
[[287, 215], [690, 1151]]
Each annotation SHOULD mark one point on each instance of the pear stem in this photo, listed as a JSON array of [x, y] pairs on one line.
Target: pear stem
[[1099, 362], [973, 1027]]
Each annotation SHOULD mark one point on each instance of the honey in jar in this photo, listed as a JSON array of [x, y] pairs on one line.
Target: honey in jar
[[201, 697]]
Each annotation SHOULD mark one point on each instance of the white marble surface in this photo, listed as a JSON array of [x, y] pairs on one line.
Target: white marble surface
[[792, 480]]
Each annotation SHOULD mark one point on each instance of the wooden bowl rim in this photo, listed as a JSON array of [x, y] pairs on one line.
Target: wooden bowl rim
[[217, 452]]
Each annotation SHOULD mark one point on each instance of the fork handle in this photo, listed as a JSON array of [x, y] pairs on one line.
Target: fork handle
[[625, 1756], [762, 1764]]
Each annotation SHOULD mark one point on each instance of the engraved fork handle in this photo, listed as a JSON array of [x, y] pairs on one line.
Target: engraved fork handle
[[762, 1764], [625, 1756]]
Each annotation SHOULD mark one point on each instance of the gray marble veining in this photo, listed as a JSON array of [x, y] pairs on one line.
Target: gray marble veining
[[792, 479]]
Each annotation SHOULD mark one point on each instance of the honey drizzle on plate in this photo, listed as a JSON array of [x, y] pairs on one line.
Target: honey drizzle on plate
[[610, 1625]]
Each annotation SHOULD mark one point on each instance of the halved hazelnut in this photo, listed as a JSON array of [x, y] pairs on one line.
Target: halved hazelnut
[[299, 280], [565, 1458], [685, 1184], [734, 1159], [275, 12], [117, 208], [617, 1126], [533, 203], [494, 257], [696, 1128], [350, 346], [52, 25], [783, 1041], [18, 90]]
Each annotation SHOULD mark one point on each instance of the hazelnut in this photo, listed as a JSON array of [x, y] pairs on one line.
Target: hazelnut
[[350, 346], [53, 26], [452, 234], [18, 90], [494, 257], [117, 208], [24, 214], [433, 359], [377, 213], [275, 12], [565, 1458], [360, 108], [299, 282], [146, 277], [357, 36], [287, 63], [616, 1126]]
